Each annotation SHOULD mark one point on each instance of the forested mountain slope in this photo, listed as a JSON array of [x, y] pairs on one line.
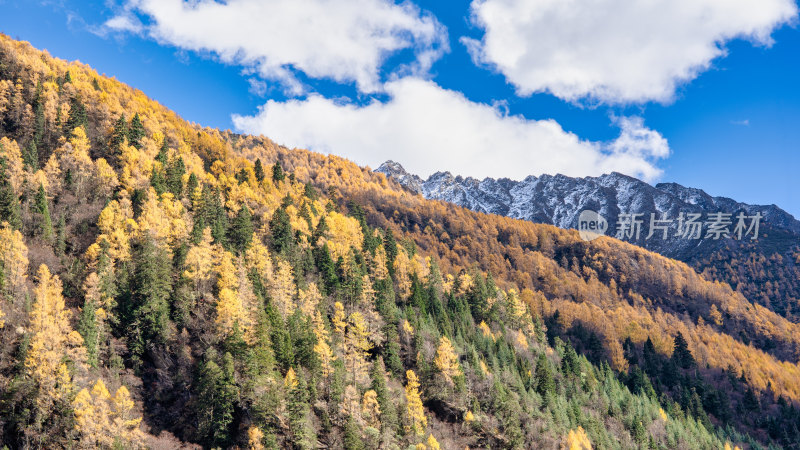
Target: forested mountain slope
[[165, 284], [765, 270]]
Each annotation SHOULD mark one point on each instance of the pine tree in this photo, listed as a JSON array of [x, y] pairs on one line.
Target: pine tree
[[281, 228], [147, 312], [87, 327], [259, 171], [118, 138], [681, 354], [9, 202], [30, 157], [136, 132], [174, 177], [42, 207], [545, 384], [216, 394], [277, 172], [242, 230], [77, 115], [299, 412], [388, 411]]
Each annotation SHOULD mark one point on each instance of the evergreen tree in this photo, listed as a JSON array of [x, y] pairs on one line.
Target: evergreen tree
[[388, 417], [241, 232], [299, 412], [216, 394], [136, 132], [277, 172], [259, 171], [545, 384], [118, 137], [77, 115], [9, 202], [147, 311], [30, 157], [281, 229], [42, 207], [174, 177], [60, 246], [681, 355], [87, 327]]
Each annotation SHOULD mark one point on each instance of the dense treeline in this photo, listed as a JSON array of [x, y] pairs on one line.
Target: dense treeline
[[164, 283]]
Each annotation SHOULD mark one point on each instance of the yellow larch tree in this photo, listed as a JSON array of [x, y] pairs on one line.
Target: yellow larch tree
[[377, 266], [93, 416], [14, 166], [343, 232], [14, 259], [715, 315], [200, 261], [350, 406], [282, 289], [338, 320], [74, 156], [416, 422], [255, 438], [308, 299], [465, 283], [103, 421], [116, 227], [53, 342], [290, 380], [236, 301], [323, 348], [126, 422], [371, 409], [402, 273], [577, 440], [52, 173], [106, 180], [164, 218], [356, 346], [432, 443], [446, 360], [258, 259]]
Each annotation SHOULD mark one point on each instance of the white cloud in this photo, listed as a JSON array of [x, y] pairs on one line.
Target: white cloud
[[344, 40], [429, 128], [615, 51], [125, 22]]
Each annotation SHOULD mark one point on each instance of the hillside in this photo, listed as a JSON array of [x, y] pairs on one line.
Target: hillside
[[168, 285], [766, 271]]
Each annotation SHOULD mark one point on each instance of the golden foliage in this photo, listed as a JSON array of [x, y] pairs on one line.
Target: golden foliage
[[13, 258], [577, 440], [254, 438], [103, 421], [356, 346], [53, 342], [416, 422], [370, 409], [446, 360], [282, 289]]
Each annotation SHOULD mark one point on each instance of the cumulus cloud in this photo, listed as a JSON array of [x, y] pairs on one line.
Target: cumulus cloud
[[429, 128], [615, 51], [342, 40]]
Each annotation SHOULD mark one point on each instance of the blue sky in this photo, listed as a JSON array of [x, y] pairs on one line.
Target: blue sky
[[707, 98]]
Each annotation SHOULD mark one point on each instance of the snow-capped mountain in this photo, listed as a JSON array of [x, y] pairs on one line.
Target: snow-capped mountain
[[559, 200]]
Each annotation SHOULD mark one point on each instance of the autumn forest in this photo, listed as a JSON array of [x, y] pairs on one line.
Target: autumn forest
[[165, 285]]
